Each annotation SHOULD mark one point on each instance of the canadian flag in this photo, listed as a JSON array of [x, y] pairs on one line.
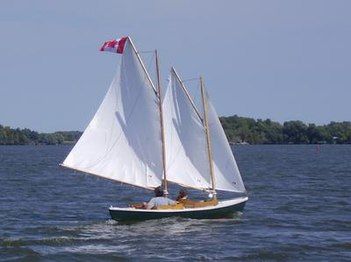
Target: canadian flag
[[114, 46]]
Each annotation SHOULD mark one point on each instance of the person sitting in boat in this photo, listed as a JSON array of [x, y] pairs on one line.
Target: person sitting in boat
[[159, 200], [183, 199], [182, 195]]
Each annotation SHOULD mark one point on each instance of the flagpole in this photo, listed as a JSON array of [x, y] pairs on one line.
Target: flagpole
[[208, 139], [165, 189]]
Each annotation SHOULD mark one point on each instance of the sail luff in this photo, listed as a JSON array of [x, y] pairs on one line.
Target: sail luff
[[208, 139]]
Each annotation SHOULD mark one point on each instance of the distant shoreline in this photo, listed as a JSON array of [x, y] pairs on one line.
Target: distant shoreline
[[10, 136], [244, 130], [239, 130]]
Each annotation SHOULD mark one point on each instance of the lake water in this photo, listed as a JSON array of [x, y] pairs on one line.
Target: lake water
[[299, 208]]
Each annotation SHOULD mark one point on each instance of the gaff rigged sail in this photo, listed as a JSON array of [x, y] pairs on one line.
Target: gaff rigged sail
[[186, 149], [122, 142], [184, 139]]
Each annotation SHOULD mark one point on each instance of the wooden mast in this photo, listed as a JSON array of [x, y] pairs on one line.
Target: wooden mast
[[208, 140], [159, 94]]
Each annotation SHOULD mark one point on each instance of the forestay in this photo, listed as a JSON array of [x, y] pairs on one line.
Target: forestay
[[122, 141], [184, 139]]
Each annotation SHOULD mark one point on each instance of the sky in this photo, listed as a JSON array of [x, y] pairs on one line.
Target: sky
[[283, 60]]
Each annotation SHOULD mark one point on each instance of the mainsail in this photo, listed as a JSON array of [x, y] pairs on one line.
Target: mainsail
[[187, 159], [184, 139], [122, 141]]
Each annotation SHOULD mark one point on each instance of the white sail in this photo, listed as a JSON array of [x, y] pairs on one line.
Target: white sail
[[187, 162], [186, 148], [226, 172], [122, 142]]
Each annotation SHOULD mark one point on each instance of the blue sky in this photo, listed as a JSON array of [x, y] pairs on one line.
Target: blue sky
[[283, 60]]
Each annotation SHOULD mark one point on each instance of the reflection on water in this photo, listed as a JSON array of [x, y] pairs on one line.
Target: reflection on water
[[298, 208]]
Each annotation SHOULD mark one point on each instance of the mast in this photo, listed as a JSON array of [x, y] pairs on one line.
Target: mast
[[208, 140], [159, 95], [165, 189]]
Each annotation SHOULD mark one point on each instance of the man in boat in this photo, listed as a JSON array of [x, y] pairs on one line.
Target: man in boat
[[157, 201]]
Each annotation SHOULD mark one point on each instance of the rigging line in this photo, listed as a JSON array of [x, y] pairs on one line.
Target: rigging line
[[148, 76], [148, 62], [142, 65], [148, 65], [190, 79], [145, 52], [187, 93]]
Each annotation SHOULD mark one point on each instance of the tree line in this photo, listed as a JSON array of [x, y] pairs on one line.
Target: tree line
[[244, 129], [10, 136], [238, 130]]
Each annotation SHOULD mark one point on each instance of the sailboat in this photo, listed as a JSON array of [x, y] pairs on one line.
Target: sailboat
[[144, 138]]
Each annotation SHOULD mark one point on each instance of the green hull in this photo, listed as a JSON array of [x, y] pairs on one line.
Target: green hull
[[200, 213]]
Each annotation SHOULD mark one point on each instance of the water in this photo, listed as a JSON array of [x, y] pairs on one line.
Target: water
[[299, 209]]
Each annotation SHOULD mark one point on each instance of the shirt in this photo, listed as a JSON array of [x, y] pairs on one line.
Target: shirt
[[159, 201]]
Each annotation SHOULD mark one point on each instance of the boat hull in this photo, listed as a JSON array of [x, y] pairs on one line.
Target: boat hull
[[225, 209]]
